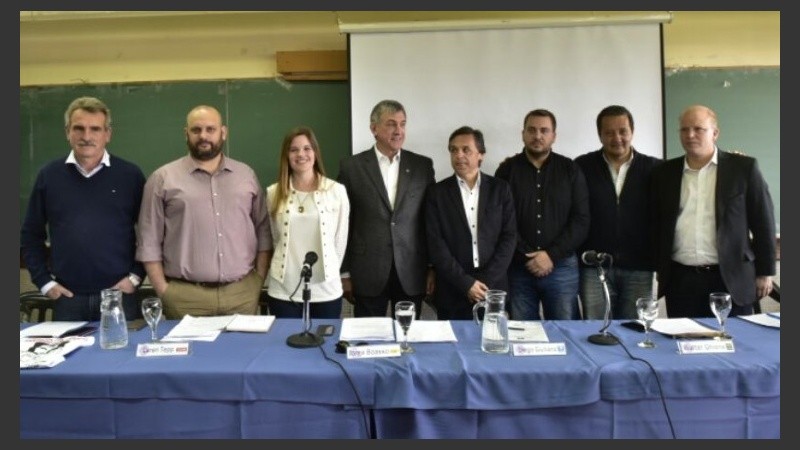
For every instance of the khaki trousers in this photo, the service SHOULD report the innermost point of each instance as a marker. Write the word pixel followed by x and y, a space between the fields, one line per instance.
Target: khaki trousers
pixel 239 297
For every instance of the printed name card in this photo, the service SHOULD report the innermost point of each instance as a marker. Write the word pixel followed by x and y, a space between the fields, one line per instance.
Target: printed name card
pixel 373 351
pixel 689 347
pixel 163 349
pixel 539 349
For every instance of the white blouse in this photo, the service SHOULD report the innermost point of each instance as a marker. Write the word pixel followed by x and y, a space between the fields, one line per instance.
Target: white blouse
pixel 321 227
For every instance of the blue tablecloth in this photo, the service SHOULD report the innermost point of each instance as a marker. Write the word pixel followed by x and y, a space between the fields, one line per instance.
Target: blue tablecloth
pixel 721 395
pixel 253 386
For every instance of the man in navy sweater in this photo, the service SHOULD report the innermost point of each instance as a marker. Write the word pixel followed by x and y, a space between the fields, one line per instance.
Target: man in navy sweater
pixel 618 178
pixel 89 204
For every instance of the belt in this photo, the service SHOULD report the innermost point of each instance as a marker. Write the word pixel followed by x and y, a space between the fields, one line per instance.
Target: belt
pixel 698 269
pixel 205 284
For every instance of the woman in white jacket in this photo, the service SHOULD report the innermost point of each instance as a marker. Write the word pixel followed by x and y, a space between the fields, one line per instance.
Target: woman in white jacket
pixel 308 213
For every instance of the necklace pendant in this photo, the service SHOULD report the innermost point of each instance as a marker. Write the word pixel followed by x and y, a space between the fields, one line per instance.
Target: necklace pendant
pixel 300 209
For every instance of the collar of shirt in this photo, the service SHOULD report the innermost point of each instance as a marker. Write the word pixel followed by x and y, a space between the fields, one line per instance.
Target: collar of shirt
pixel 618 178
pixel 462 183
pixel 384 158
pixel 626 163
pixel 713 161
pixel 192 165
pixel 105 160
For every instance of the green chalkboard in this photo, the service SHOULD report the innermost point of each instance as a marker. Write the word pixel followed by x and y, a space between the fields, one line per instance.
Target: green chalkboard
pixel 748 106
pixel 148 121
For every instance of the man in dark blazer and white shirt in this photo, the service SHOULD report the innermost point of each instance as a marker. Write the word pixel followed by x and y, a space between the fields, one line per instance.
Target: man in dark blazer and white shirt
pixel 386 258
pixel 471 228
pixel 714 220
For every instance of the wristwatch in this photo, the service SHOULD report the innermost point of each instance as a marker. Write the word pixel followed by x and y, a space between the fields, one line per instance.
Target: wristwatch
pixel 135 281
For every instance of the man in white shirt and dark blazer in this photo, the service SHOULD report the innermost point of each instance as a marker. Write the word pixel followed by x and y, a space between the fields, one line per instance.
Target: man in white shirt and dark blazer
pixel 471 227
pixel 714 223
pixel 386 258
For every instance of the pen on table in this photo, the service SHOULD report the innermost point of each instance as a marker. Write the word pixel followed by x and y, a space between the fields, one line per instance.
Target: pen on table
pixel 516 328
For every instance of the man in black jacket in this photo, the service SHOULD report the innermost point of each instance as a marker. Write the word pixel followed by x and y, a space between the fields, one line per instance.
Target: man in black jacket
pixel 471 228
pixel 618 178
pixel 714 221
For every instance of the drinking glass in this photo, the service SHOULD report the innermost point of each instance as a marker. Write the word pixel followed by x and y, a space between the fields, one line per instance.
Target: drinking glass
pixel 720 303
pixel 404 313
pixel 151 310
pixel 647 310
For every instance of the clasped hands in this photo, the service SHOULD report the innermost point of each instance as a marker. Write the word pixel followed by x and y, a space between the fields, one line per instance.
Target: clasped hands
pixel 539 263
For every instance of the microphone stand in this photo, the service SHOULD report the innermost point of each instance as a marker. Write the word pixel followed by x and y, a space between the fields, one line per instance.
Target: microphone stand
pixel 305 339
pixel 603 337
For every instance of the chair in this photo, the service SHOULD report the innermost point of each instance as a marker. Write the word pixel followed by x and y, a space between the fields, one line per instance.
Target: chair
pixel 35 307
pixel 263 302
pixel 776 292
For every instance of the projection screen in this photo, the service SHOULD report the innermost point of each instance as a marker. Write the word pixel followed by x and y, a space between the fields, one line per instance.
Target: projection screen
pixel 489 79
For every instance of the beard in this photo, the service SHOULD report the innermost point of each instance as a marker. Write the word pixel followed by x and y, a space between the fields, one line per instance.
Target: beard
pixel 205 155
pixel 537 153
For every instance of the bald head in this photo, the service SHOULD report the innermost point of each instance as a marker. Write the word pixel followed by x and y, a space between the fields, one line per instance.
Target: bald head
pixel 205 134
pixel 700 110
pixel 699 132
pixel 204 111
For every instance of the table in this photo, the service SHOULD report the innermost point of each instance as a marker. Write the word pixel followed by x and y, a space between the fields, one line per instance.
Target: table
pixel 733 395
pixel 243 385
pixel 254 386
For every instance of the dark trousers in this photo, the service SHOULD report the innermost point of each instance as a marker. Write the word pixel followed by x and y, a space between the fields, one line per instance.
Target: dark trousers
pixel 392 293
pixel 294 309
pixel 687 291
pixel 87 307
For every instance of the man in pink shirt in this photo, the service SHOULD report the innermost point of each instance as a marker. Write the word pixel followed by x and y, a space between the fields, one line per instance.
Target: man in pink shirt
pixel 203 233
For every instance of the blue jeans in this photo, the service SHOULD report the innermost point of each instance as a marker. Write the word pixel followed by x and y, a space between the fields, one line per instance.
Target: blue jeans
pixel 624 287
pixel 557 292
pixel 87 307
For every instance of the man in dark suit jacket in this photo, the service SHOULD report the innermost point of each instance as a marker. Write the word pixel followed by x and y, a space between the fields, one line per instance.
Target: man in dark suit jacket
pixel 386 258
pixel 714 221
pixel 471 228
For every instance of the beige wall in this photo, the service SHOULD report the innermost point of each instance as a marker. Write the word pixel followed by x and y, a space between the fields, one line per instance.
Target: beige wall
pixel 104 47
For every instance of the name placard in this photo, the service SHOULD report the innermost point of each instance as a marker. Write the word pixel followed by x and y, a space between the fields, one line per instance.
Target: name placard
pixel 539 349
pixel 163 349
pixel 689 347
pixel 373 351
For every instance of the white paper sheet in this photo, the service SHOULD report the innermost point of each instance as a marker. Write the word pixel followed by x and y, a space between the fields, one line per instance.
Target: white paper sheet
pixel 428 331
pixel 51 329
pixel 683 327
pixel 192 328
pixel 250 323
pixel 526 331
pixel 767 320
pixel 367 329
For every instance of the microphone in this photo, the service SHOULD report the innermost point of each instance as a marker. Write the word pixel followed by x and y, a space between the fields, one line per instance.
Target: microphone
pixel 311 258
pixel 594 258
pixel 306 338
